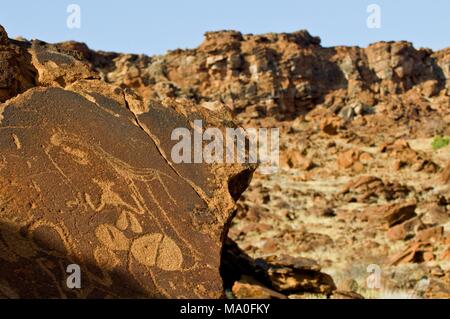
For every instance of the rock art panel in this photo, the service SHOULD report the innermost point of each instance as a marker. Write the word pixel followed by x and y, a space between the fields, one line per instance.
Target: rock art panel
pixel 81 185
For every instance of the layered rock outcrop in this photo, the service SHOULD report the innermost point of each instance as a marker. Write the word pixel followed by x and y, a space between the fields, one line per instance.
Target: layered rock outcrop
pixel 284 75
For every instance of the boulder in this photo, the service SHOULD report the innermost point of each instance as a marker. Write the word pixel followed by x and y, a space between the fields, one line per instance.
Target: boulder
pixel 282 274
pixel 87 184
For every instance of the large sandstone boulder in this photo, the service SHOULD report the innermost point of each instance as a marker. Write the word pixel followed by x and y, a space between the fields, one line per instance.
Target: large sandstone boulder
pixel 86 178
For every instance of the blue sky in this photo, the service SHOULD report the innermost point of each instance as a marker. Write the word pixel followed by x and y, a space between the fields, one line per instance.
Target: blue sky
pixel 152 27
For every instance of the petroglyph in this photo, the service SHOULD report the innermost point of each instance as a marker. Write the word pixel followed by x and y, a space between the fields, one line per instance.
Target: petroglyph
pixel 159 250
pixel 106 258
pixel 169 255
pixel 112 238
pixel 127 219
pixel 126 171
pixel 17 141
pixel 81 183
pixel 145 249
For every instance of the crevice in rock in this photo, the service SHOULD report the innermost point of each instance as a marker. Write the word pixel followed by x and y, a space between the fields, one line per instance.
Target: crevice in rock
pixel 199 192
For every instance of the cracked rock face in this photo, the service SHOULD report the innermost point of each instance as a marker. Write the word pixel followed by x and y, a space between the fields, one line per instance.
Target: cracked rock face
pixel 284 75
pixel 86 178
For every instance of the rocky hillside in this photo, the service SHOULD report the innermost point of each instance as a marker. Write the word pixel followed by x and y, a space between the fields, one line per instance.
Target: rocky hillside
pixel 285 75
pixel 363 179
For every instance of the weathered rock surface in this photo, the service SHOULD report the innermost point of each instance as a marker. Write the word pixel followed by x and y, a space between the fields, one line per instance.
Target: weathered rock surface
pixel 285 75
pixel 16 72
pixel 359 182
pixel 272 277
pixel 249 288
pixel 86 178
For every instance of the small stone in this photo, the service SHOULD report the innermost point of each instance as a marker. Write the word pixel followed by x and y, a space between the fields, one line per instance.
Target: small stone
pixel 446 254
pixel 347 158
pixel 398 213
pixel 365 157
pixel 432 233
pixel 437 271
pixel 403 230
pixel 445 175
pixel 249 288
pixel 428 256
pixel 347 113
pixel 435 215
pixel 269 247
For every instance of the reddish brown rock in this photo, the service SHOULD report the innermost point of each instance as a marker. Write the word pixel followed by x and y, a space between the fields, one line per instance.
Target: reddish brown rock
pixel 365 157
pixel 435 215
pixel 417 252
pixel 347 159
pixel 430 234
pixel 404 230
pixel 3 36
pixel 398 213
pixel 288 274
pixel 249 288
pixel 446 254
pixel 325 101
pixel 363 188
pixel 17 74
pixel 294 159
pixel 405 156
pixel 284 274
pixel 56 68
pixel 120 211
pixel 248 73
pixel 87 179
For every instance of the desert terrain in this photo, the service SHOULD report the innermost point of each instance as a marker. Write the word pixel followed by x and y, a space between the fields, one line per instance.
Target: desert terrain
pixel 358 208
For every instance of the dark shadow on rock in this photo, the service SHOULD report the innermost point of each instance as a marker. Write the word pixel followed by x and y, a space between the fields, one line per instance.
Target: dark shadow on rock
pixel 36 269
pixel 283 274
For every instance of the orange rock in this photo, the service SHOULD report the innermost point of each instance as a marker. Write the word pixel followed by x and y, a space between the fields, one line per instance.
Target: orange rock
pixel 446 254
pixel 294 159
pixel 401 231
pixel 365 157
pixel 397 232
pixel 428 256
pixel 249 288
pixel 400 144
pixel 428 234
pixel 358 167
pixel 347 159
pixel 339 294
pixel 269 247
pixel 417 252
